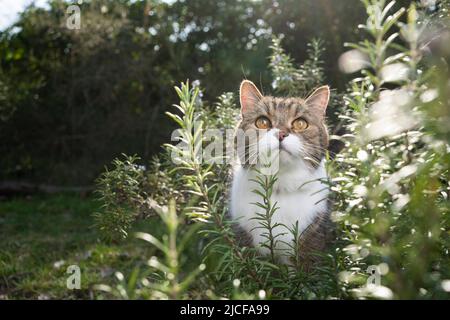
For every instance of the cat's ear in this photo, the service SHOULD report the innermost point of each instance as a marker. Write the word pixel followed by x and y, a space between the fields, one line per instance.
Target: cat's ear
pixel 319 99
pixel 249 95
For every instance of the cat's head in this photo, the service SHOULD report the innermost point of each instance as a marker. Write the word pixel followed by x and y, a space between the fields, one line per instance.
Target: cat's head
pixel 293 127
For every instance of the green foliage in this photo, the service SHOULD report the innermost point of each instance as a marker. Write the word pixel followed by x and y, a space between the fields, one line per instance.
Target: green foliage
pixel 292 81
pixel 224 114
pixel 44 234
pixel 123 195
pixel 391 179
pixel 390 182
pixel 126 189
pixel 6 108
pixel 166 279
pixel 266 182
pixel 75 99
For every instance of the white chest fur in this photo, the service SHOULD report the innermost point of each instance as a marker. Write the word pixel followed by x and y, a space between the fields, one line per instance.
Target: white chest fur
pixel 300 193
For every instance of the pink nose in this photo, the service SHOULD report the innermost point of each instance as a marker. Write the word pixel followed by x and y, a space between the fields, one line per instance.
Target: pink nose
pixel 282 135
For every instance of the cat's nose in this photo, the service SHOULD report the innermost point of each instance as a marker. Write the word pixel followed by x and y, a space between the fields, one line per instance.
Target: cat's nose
pixel 282 135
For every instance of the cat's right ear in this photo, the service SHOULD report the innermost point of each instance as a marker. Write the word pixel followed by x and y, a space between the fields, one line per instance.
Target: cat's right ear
pixel 249 96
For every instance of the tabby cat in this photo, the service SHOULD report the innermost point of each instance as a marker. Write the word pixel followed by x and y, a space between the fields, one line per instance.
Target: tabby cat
pixel 294 129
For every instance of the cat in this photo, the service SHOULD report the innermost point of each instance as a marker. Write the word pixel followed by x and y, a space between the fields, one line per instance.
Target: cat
pixel 294 129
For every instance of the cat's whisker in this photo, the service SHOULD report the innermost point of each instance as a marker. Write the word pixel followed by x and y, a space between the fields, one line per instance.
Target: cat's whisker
pixel 252 157
pixel 311 159
pixel 249 158
pixel 320 148
pixel 314 146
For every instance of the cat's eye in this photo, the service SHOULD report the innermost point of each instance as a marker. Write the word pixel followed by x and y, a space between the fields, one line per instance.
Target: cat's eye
pixel 263 123
pixel 299 124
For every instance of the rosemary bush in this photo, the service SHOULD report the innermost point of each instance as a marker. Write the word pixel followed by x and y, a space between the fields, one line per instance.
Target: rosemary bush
pixel 390 182
pixel 391 179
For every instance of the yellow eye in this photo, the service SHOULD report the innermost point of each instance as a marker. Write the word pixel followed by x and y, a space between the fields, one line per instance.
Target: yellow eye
pixel 299 124
pixel 263 123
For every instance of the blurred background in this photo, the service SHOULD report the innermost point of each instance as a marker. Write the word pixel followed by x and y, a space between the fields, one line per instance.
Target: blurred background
pixel 72 100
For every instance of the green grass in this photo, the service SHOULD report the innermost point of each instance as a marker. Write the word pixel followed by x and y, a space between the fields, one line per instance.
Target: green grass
pixel 42 235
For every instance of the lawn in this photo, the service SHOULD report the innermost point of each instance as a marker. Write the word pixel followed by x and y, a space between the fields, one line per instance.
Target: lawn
pixel 42 235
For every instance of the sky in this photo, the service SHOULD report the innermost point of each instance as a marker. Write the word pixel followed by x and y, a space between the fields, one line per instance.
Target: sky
pixel 10 9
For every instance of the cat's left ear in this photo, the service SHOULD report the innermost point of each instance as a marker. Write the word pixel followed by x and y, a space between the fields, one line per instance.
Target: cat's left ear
pixel 319 99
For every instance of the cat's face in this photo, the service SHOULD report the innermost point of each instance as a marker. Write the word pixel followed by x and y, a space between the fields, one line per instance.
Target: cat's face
pixel 292 127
